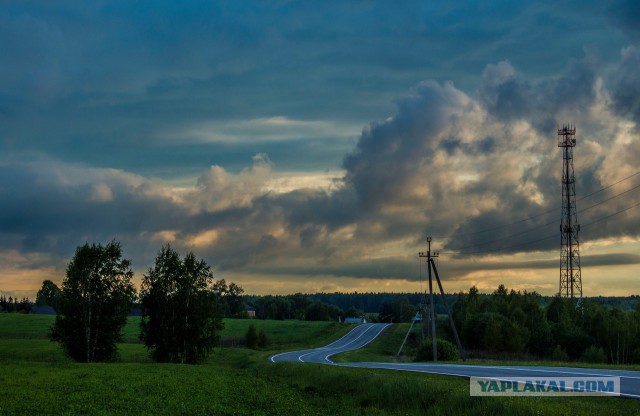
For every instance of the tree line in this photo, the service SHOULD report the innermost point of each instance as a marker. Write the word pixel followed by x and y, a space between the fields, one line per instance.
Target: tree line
pixel 11 304
pixel 514 322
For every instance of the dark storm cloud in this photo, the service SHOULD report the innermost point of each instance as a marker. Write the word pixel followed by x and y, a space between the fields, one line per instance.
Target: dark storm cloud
pixel 50 207
pixel 486 145
pixel 506 95
pixel 625 85
pixel 389 154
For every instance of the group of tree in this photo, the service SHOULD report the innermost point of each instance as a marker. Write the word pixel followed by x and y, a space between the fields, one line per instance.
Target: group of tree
pixel 510 322
pixel 294 306
pixel 181 317
pixel 397 310
pixel 182 305
pixel 46 296
pixel 299 306
pixel 11 304
pixel 255 339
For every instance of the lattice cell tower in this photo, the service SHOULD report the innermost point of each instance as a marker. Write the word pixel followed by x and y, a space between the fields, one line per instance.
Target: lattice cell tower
pixel 570 276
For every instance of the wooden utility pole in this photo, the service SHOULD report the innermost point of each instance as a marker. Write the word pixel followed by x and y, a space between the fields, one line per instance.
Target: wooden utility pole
pixel 432 265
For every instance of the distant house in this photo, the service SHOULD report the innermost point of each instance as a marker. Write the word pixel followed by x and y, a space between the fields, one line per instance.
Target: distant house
pixel 355 321
pixel 250 311
pixel 42 310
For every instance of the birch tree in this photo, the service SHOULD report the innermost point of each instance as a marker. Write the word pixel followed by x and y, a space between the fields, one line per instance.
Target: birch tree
pixel 180 321
pixel 94 302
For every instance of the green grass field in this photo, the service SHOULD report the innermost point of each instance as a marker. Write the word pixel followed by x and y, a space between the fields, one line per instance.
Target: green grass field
pixel 36 378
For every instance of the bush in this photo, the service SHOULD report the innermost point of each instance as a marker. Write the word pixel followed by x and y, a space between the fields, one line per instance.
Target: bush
pixel 262 339
pixel 251 338
pixel 445 349
pixel 593 355
pixel 559 354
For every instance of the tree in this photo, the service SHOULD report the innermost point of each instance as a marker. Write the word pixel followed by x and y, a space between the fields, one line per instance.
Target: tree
pixel 400 310
pixel 353 312
pixel 234 299
pixel 251 337
pixel 180 320
pixel 94 303
pixel 320 311
pixel 262 339
pixel 48 295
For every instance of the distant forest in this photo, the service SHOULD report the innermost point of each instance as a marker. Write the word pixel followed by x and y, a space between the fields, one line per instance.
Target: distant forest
pixel 505 323
pixel 371 302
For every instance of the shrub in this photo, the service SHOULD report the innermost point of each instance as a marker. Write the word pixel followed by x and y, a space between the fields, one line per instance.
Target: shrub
pixel 559 354
pixel 445 349
pixel 251 338
pixel 262 339
pixel 593 355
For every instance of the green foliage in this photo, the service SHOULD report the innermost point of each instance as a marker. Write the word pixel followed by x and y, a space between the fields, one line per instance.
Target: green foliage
pixel 399 310
pixel 516 323
pixel 179 322
pixel 559 354
pixel 446 351
pixel 282 307
pixel 263 341
pixel 353 312
pixel 94 302
pixel 251 338
pixel 593 355
pixel 48 295
pixel 320 311
pixel 229 299
pixel 491 331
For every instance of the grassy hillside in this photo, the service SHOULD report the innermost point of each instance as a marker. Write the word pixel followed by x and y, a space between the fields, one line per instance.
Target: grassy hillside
pixel 36 378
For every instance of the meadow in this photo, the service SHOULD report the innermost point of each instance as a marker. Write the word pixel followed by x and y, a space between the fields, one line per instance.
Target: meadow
pixel 36 378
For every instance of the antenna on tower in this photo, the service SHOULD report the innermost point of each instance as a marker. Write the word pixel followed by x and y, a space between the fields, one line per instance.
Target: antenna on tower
pixel 570 274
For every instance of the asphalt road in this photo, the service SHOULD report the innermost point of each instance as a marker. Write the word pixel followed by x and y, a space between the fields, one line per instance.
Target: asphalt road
pixel 629 380
pixel 358 337
pixel 361 335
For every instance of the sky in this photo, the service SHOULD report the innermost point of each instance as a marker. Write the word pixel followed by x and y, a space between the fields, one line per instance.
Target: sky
pixel 304 146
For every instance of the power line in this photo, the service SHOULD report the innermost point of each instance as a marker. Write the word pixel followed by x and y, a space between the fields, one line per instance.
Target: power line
pixel 609 186
pixel 556 208
pixel 613 197
pixel 537 240
pixel 509 236
pixel 548 223
pixel 502 248
pixel 611 215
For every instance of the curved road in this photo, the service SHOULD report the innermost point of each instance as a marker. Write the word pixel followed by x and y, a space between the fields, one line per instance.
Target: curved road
pixel 361 335
pixel 358 337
